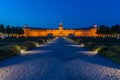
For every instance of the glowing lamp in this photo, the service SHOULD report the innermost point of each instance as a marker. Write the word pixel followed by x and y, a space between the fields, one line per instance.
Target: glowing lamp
pixel 22 51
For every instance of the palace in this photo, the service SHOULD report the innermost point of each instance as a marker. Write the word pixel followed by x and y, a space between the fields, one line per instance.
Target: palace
pixel 82 32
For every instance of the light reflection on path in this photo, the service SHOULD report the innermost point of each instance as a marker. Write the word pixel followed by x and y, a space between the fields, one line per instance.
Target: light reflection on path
pixel 59 60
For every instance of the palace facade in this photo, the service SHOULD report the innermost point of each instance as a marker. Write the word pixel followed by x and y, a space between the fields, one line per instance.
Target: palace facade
pixel 82 32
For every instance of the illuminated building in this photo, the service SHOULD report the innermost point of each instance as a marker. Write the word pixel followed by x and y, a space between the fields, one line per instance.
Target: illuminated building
pixel 82 32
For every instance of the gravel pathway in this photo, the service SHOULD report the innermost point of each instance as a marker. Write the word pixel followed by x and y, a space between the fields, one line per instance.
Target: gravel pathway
pixel 59 60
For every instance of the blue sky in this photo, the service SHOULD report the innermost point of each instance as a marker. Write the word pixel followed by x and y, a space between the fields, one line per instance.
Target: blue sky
pixel 48 13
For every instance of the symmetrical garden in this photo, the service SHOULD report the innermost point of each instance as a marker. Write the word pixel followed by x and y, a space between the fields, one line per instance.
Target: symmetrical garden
pixel 107 47
pixel 10 47
pixel 106 44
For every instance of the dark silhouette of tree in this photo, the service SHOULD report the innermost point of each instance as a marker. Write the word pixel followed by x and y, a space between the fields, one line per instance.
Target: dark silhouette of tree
pixel 115 30
pixel 110 32
pixel 106 31
pixel 2 28
pixel 102 30
pixel 21 31
pixel 18 31
pixel 8 29
pixel 12 30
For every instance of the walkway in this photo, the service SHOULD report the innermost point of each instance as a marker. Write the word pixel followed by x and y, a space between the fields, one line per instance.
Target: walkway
pixel 59 60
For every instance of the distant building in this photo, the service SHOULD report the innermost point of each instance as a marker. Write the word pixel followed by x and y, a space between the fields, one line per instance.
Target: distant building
pixel 80 32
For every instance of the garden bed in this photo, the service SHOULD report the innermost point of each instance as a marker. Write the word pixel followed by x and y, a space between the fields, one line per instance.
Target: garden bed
pixel 13 49
pixel 108 47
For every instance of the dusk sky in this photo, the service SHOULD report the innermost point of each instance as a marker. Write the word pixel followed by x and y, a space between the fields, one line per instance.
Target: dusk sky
pixel 48 13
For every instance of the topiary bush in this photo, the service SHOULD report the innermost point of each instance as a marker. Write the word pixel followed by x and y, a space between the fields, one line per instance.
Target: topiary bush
pixel 97 47
pixel 112 52
pixel 13 50
pixel 40 41
pixel 9 51
pixel 28 45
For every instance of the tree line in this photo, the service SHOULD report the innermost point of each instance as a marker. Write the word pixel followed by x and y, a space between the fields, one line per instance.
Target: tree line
pixel 109 31
pixel 11 30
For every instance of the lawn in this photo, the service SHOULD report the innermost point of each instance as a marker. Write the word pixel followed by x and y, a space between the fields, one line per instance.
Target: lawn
pixel 2 45
pixel 107 47
pixel 10 47
pixel 22 39
pixel 96 40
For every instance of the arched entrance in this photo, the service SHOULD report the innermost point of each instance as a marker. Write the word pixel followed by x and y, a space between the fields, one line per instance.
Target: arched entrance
pixel 50 35
pixel 71 35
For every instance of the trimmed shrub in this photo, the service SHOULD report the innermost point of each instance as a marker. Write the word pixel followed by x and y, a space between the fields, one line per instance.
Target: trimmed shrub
pixel 28 45
pixel 112 52
pixel 78 40
pixel 12 50
pixel 98 47
pixel 9 51
pixel 90 46
pixel 40 41
pixel 105 49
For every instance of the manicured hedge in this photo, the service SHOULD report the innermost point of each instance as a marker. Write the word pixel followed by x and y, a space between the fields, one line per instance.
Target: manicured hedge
pixel 28 45
pixel 97 40
pixel 95 47
pixel 13 50
pixel 9 51
pixel 112 52
pixel 11 40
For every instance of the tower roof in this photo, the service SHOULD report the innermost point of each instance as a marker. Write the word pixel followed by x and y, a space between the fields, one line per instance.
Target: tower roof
pixel 60 22
pixel 95 26
pixel 60 26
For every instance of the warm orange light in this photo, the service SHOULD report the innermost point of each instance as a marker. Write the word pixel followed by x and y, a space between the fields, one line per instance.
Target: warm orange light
pixel 60 32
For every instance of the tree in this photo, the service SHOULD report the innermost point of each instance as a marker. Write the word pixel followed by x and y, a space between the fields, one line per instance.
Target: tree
pixel 21 31
pixel 115 30
pixel 103 30
pixel 107 31
pixel 8 29
pixel 2 28
pixel 18 31
pixel 12 30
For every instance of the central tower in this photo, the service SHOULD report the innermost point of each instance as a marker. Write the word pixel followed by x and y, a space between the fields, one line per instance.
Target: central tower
pixel 61 26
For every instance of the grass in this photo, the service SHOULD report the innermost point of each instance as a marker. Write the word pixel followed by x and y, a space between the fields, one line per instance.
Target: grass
pixel 112 52
pixel 2 45
pixel 107 47
pixel 9 40
pixel 22 39
pixel 10 47
pixel 28 45
pixel 95 40
pixel 9 51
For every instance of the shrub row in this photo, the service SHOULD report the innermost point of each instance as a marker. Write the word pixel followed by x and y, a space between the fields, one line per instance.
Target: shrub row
pixel 95 40
pixel 22 39
pixel 28 45
pixel 106 50
pixel 94 47
pixel 9 51
pixel 112 52
pixel 13 50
